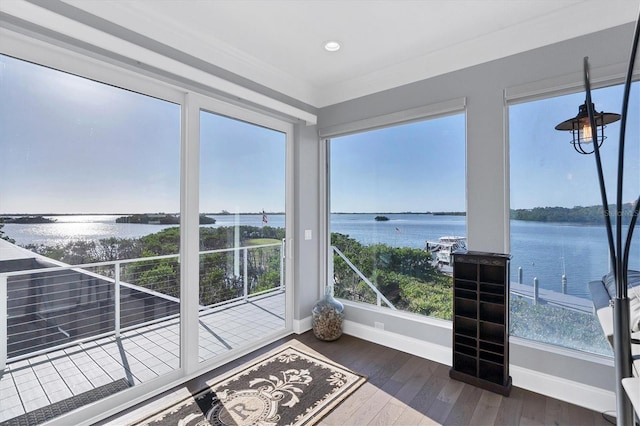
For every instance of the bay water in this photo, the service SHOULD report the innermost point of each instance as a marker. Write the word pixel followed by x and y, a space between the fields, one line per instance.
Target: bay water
pixel 545 251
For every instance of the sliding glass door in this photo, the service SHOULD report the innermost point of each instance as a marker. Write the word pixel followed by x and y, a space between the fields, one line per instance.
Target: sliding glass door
pixel 242 232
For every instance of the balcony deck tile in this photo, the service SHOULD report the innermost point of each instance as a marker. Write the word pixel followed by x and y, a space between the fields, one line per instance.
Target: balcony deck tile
pixel 43 368
pixel 11 407
pixel 19 364
pixel 56 391
pixel 6 382
pixel 26 381
pixel 35 400
pixel 80 387
pixel 52 376
pixel 93 373
pixel 100 380
pixel 24 375
pixel 38 359
pixel 64 364
pixel 8 391
pixel 161 369
pixel 77 380
pixel 11 401
pixel 139 355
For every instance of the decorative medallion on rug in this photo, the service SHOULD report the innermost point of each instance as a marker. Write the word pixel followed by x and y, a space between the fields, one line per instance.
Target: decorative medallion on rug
pixel 290 387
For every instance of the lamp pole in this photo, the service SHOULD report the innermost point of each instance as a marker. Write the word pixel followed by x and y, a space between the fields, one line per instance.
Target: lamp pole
pixel 584 128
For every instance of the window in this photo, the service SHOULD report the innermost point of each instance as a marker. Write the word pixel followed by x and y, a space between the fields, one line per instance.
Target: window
pixel 90 174
pixel 558 239
pixel 242 215
pixel 397 211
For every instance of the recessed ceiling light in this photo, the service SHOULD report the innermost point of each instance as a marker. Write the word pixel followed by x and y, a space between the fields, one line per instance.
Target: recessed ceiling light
pixel 331 46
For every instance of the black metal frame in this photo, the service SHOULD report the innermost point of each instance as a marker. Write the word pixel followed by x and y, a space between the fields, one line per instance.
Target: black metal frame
pixel 618 252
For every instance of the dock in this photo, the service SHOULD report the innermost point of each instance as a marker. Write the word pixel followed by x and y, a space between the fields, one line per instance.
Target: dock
pixel 554 298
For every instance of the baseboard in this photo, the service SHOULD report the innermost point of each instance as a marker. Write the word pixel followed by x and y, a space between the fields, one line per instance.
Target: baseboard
pixel 590 397
pixel 421 348
pixel 301 326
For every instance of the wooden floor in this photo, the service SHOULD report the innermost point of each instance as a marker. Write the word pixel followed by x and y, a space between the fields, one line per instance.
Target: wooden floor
pixel 403 389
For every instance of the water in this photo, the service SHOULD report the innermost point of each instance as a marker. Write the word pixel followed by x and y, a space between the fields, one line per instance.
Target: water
pixel 543 250
pixel 96 227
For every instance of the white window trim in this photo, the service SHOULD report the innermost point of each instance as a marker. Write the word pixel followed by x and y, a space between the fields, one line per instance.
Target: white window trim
pixel 423 113
pixel 195 104
pixel 566 84
pixel 396 118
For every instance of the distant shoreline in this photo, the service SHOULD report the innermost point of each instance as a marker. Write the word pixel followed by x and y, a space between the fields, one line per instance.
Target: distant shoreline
pixel 413 213
pixel 129 214
pixel 226 214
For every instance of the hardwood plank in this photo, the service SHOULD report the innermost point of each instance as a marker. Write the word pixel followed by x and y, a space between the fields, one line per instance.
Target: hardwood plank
pixel 419 370
pixel 374 405
pixel 423 400
pixel 579 415
pixel 487 409
pixel 533 409
pixel 510 409
pixel 369 410
pixel 553 411
pixel 348 407
pixel 446 399
pixel 463 409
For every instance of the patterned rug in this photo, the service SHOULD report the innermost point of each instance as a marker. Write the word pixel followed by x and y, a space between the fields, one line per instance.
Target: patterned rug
pixel 290 387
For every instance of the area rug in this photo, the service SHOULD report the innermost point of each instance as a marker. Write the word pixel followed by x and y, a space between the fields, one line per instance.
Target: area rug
pixel 289 387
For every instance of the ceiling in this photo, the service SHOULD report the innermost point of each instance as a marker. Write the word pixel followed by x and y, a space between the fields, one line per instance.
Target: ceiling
pixel 385 43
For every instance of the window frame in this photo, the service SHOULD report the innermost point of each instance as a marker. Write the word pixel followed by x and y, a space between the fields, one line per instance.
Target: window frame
pixel 568 84
pixel 422 113
pixel 86 64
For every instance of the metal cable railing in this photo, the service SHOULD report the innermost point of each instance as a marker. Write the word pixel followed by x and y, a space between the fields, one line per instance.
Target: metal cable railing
pixel 379 296
pixel 50 308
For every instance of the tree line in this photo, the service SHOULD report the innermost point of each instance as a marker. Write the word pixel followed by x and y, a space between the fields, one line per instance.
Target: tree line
pixel 592 215
pixel 218 280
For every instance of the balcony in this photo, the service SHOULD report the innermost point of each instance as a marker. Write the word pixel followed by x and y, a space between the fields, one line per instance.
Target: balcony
pixel 74 331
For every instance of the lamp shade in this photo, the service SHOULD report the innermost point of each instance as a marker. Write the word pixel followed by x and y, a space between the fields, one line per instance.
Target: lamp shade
pixel 580 127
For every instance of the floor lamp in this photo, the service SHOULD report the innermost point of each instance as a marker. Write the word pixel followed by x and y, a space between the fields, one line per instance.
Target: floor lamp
pixel 584 129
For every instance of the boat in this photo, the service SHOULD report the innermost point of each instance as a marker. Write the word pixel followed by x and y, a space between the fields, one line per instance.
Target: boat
pixel 444 247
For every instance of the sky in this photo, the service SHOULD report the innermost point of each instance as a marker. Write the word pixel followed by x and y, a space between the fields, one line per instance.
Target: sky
pixel 547 171
pixel 71 145
pixel 417 167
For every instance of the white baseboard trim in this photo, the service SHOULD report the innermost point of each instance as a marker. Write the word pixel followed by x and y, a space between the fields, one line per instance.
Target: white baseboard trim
pixel 407 344
pixel 302 325
pixel 590 397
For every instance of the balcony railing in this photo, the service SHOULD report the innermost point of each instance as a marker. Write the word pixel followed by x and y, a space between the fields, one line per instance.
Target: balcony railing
pixel 379 296
pixel 52 307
